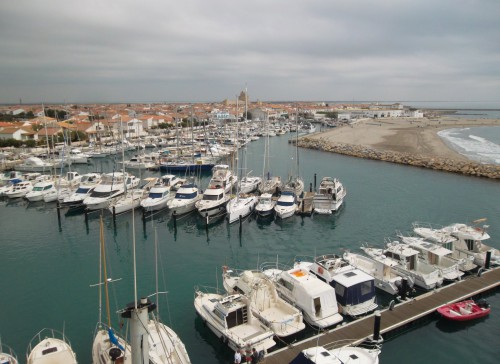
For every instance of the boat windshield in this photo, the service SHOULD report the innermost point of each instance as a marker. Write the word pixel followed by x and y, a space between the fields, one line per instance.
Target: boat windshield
pixel 101 194
pixel 37 188
pixel 285 203
pixel 155 195
pixel 212 197
pixel 185 196
pixel 82 190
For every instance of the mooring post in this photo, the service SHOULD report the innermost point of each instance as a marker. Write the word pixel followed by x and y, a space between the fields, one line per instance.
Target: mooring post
pixel 376 326
pixel 314 181
pixel 404 287
pixel 310 187
pixel 241 220
pixel 487 260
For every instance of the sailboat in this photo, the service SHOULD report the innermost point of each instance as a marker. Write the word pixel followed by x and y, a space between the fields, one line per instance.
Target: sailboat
pixel 7 355
pixel 270 184
pixel 50 346
pixel 107 347
pixel 295 183
pixel 241 205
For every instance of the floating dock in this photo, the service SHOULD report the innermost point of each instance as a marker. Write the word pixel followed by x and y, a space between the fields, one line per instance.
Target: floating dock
pixel 402 314
pixel 306 204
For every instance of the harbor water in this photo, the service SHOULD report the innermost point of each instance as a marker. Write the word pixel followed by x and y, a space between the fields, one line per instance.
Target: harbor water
pixel 47 266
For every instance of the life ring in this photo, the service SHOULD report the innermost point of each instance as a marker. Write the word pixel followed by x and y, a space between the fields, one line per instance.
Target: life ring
pixel 320 270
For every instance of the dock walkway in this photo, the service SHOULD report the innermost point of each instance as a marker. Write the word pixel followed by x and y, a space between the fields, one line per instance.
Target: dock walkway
pixel 402 314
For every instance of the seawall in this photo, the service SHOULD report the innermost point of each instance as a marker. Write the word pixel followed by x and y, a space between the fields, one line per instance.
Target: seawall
pixel 443 164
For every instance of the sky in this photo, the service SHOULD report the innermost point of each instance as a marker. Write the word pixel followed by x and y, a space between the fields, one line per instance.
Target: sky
pixel 210 50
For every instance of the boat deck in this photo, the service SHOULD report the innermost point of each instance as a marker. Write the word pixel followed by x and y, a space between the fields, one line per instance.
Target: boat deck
pixel 402 314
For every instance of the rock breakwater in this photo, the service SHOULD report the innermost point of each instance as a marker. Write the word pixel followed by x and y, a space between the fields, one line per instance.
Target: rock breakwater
pixel 443 164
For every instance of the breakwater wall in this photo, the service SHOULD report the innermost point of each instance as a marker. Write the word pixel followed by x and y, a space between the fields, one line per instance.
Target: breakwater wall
pixel 443 164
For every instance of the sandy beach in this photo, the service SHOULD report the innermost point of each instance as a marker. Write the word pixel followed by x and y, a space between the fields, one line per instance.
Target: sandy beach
pixel 403 135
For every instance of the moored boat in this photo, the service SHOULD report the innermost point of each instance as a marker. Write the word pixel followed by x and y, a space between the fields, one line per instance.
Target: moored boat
pixel 465 310
pixel 50 346
pixel 330 196
pixel 341 355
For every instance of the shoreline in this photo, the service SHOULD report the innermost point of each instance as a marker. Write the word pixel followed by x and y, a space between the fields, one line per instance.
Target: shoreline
pixel 405 141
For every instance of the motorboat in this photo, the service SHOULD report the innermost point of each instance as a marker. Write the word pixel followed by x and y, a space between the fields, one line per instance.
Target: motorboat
pixel 304 290
pixel 50 346
pixel 465 310
pixel 112 186
pixel 87 184
pixel 7 355
pixel 9 185
pixel 40 189
pixel 35 164
pixel 386 279
pixel 160 193
pixel 9 175
pixel 265 206
pixel 273 311
pixel 436 255
pixel 464 240
pixel 354 288
pixel 217 194
pixel 20 189
pixel 142 161
pixel 76 156
pixel 341 355
pixel 286 205
pixel 330 196
pixel 407 264
pixel 185 199
pixel 240 206
pixel 231 319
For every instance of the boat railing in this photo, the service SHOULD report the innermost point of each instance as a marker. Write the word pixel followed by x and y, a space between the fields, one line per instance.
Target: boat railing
pixel 7 350
pixel 274 265
pixel 209 289
pixel 428 225
pixel 43 334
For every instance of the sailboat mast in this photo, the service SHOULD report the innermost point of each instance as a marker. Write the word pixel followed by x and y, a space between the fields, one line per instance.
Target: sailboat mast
pixel 106 292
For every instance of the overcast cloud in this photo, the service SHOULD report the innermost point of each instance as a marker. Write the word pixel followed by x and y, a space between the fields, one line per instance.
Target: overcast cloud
pixel 209 50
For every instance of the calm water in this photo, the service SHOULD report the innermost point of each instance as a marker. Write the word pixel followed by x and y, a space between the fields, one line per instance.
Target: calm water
pixel 47 268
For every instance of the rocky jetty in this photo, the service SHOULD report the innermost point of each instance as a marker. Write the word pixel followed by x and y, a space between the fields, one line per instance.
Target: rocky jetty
pixel 443 164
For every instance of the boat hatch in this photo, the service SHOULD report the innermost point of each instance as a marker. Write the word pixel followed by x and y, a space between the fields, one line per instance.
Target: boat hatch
pixel 236 318
pixel 298 273
pixel 49 350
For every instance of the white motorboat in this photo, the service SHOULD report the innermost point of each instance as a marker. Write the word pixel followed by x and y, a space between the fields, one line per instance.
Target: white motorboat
pixel 230 318
pixel 341 355
pixel 216 195
pixel 330 196
pixel 9 186
pixel 273 311
pixel 50 346
pixel 40 189
pixel 185 199
pixel 87 184
pixel 160 193
pixel 286 205
pixel 436 255
pixel 265 206
pixel 354 288
pixel 240 206
pixel 112 186
pixel 464 240
pixel 35 164
pixel 76 156
pixel 386 279
pixel 142 161
pixel 20 189
pixel 7 355
pixel 408 264
pixel 9 175
pixel 314 297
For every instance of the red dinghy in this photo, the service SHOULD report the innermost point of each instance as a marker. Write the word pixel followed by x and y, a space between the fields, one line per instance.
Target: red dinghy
pixel 465 310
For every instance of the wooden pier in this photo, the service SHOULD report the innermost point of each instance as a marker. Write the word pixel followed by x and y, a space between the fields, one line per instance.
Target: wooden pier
pixel 402 314
pixel 306 204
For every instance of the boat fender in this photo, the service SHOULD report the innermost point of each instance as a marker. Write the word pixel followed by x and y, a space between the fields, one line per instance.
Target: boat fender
pixel 480 272
pixel 391 305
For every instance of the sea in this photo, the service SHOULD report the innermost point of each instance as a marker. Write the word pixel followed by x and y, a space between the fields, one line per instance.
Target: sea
pixel 49 260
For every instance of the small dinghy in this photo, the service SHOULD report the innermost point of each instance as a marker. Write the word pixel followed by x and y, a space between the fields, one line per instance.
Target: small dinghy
pixel 465 310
